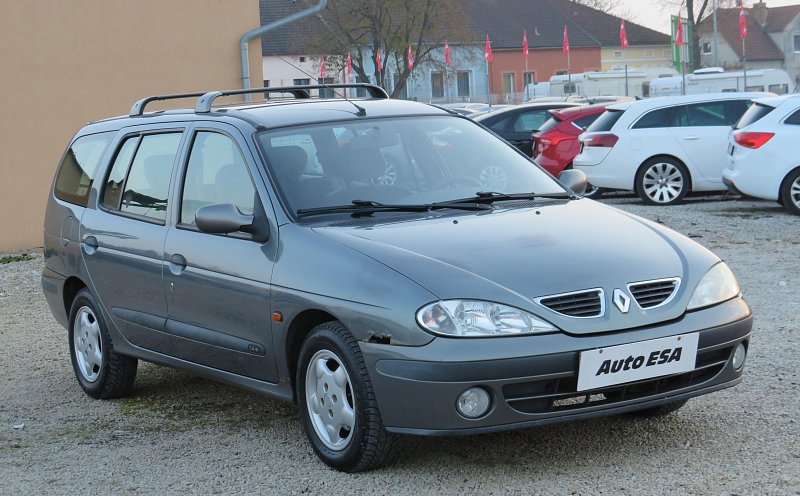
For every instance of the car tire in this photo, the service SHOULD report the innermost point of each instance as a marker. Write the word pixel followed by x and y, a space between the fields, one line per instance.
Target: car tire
pixel 101 373
pixel 661 410
pixel 593 192
pixel 662 181
pixel 790 192
pixel 334 391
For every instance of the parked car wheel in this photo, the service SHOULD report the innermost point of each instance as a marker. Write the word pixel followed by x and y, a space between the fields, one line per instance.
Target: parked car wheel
pixel 593 192
pixel 101 373
pixel 662 181
pixel 337 404
pixel 661 410
pixel 790 192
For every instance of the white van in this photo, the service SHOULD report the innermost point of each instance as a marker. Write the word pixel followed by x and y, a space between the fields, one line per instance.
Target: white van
pixel 716 80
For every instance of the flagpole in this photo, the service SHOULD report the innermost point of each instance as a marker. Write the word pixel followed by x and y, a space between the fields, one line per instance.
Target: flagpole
pixel 527 95
pixel 569 74
pixel 488 94
pixel 744 63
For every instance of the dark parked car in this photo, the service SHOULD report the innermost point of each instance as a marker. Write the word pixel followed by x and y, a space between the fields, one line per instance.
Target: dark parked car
pixel 263 245
pixel 516 123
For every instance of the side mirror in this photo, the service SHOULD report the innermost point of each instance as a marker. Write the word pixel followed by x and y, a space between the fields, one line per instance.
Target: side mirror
pixel 572 179
pixel 222 218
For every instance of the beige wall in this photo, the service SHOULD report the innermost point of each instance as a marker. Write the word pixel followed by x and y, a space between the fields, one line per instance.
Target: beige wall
pixel 636 56
pixel 67 62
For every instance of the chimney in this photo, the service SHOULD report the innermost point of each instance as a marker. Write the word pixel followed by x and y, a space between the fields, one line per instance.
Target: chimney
pixel 759 13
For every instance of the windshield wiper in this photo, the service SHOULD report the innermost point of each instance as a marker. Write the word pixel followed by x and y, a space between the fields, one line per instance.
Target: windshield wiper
pixel 484 197
pixel 366 207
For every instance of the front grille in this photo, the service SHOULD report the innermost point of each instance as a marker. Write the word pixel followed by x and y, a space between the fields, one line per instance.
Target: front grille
pixel 583 304
pixel 560 394
pixel 651 294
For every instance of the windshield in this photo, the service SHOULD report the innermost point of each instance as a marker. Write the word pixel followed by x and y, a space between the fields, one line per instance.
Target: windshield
pixel 392 161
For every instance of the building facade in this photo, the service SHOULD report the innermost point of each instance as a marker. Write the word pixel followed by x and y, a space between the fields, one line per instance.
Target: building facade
pixel 68 63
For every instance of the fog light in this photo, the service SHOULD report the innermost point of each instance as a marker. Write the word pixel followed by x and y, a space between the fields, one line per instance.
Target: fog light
pixel 739 356
pixel 473 403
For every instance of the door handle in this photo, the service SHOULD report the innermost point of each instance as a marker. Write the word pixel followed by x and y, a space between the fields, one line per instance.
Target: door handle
pixel 177 264
pixel 691 138
pixel 90 245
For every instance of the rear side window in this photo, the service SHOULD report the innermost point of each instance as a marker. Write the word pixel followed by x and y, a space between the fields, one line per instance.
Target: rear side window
pixel 655 119
pixel 74 179
pixel 587 121
pixel 141 172
pixel 549 124
pixel 606 121
pixel 723 113
pixel 756 112
pixel 528 121
pixel 793 119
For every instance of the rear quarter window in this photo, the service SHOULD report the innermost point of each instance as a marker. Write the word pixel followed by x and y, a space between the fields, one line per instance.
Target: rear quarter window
pixel 756 112
pixel 74 177
pixel 793 119
pixel 606 121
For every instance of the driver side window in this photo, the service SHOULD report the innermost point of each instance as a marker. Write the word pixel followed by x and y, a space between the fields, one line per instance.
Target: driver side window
pixel 216 173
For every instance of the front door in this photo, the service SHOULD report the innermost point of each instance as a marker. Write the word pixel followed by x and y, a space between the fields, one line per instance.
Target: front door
pixel 218 286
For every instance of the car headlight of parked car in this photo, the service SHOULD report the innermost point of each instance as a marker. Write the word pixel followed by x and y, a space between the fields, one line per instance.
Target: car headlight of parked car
pixel 719 284
pixel 474 318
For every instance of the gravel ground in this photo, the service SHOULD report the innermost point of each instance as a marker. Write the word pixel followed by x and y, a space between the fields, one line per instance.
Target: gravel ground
pixel 182 434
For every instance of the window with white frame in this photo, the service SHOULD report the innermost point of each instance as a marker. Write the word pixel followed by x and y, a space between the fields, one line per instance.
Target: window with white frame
pixel 462 81
pixel 617 54
pixel 437 85
pixel 796 39
pixel 705 47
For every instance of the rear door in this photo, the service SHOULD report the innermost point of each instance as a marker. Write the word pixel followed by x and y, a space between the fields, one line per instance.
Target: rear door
pixel 701 130
pixel 218 286
pixel 122 239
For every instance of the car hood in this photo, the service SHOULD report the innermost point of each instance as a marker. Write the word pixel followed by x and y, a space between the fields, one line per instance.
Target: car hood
pixel 516 255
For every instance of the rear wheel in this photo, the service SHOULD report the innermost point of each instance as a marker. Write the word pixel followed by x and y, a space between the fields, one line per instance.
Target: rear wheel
pixel 337 404
pixel 101 373
pixel 662 181
pixel 790 192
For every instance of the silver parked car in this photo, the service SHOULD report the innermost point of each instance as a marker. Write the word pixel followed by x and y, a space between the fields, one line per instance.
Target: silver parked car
pixel 347 256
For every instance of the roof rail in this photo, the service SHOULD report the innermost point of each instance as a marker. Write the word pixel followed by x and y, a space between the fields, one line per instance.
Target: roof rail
pixel 300 92
pixel 138 107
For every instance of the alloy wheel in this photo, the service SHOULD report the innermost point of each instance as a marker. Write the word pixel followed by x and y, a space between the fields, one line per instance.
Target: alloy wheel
pixel 330 400
pixel 663 182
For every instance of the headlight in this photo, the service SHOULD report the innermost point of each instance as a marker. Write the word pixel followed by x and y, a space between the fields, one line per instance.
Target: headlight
pixel 719 284
pixel 472 318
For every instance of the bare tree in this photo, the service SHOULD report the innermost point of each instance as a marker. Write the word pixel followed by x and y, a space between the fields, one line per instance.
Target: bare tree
pixel 363 27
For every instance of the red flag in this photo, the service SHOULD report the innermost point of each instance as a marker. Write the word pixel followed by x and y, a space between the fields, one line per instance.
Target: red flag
pixel 487 52
pixel 679 32
pixel 525 44
pixel 322 68
pixel 565 48
pixel 349 63
pixel 623 36
pixel 378 62
pixel 446 53
pixel 410 57
pixel 742 23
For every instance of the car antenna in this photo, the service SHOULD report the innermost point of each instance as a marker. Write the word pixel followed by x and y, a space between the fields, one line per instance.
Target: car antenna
pixel 361 110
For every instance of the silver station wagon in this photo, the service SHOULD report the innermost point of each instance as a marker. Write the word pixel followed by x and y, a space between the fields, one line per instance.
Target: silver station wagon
pixel 390 266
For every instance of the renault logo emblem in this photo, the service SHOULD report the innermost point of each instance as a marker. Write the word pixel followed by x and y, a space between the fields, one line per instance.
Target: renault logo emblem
pixel 621 300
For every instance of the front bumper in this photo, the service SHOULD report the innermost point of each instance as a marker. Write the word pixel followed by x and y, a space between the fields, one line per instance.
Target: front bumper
pixel 532 380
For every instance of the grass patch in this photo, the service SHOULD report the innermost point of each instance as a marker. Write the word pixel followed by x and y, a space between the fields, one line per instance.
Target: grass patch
pixel 7 259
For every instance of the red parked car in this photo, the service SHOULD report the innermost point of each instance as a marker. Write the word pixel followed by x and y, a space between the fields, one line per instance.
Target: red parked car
pixel 556 143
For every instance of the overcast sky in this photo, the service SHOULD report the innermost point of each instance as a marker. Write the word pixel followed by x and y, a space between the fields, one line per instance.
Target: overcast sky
pixel 651 13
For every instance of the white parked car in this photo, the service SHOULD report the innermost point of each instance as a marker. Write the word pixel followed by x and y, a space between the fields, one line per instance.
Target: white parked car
pixel 662 148
pixel 763 159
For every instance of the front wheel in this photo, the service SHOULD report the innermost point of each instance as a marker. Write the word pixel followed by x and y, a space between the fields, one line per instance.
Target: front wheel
pixel 337 404
pixel 662 181
pixel 790 192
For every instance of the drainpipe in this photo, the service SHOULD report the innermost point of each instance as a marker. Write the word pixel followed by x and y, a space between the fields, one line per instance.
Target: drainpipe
pixel 243 42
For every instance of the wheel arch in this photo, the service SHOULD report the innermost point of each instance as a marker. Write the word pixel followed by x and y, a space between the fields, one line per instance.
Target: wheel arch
pixel 298 330
pixel 71 288
pixel 662 156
